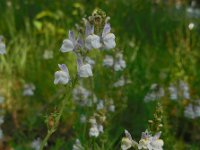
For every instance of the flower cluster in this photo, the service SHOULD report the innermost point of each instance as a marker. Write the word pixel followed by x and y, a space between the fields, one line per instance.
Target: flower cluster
pixel 118 63
pixel 2 46
pixel 81 45
pixel 147 141
pixel 192 111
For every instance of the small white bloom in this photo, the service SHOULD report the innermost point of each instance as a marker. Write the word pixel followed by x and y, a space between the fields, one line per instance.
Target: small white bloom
pixel 127 141
pixel 69 44
pixel 62 76
pixel 100 105
pixel 29 89
pixel 120 63
pixel 173 92
pixel 81 95
pixel 89 61
pixel 189 112
pixel 191 26
pixel 94 131
pixel 48 54
pixel 155 93
pixel 78 145
pixel 36 144
pixel 108 38
pixel 108 61
pixel 2 46
pixel 92 42
pixel 85 71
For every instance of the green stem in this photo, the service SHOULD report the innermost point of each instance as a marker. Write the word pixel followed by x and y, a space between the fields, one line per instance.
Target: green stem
pixel 57 119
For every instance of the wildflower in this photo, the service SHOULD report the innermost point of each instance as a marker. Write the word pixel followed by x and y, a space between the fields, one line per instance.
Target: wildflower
pixel 185 89
pixel 120 63
pixel 127 141
pixel 2 46
pixel 36 144
pixel 48 54
pixel 191 26
pixel 70 44
pixel 189 112
pixel 92 40
pixel 173 92
pixel 145 141
pixel 121 82
pixel 89 61
pixel 85 71
pixel 100 105
pixel 62 76
pixel 111 106
pixel 94 131
pixel 77 145
pixel 108 61
pixel 155 93
pixel 156 143
pixel 29 89
pixel 81 95
pixel 108 38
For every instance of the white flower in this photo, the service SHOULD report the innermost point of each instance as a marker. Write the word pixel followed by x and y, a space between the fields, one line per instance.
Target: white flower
pixel 155 93
pixel 89 61
pixel 191 26
pixel 156 143
pixel 85 71
pixel 2 46
pixel 70 44
pixel 108 61
pixel 120 63
pixel 189 112
pixel 81 95
pixel 36 144
pixel 2 99
pixel 92 42
pixel 48 54
pixel 29 89
pixel 144 144
pixel 185 89
pixel 62 76
pixel 108 38
pixel 100 105
pixel 127 141
pixel 78 145
pixel 94 131
pixel 173 92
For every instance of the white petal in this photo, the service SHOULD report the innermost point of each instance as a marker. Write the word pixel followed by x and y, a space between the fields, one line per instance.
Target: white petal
pixel 67 46
pixel 85 71
pixel 109 41
pixel 61 77
pixel 92 41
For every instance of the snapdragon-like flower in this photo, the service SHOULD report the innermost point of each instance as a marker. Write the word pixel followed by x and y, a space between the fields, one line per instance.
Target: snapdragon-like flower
pixel 145 141
pixel 92 40
pixel 62 76
pixel 120 63
pixel 77 145
pixel 156 142
pixel 84 70
pixel 71 44
pixel 108 38
pixel 81 96
pixel 29 89
pixel 2 46
pixel 108 61
pixel 155 93
pixel 127 141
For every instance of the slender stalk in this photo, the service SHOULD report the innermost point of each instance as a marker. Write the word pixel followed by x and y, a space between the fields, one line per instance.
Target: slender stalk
pixel 57 119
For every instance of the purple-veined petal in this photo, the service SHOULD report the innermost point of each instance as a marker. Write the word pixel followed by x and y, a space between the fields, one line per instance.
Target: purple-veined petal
pixel 106 29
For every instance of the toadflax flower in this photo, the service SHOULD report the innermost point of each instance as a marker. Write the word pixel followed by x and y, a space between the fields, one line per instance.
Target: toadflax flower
pixel 92 40
pixel 120 63
pixel 145 141
pixel 108 38
pixel 2 46
pixel 29 89
pixel 84 70
pixel 62 76
pixel 156 142
pixel 108 61
pixel 127 141
pixel 77 145
pixel 71 44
